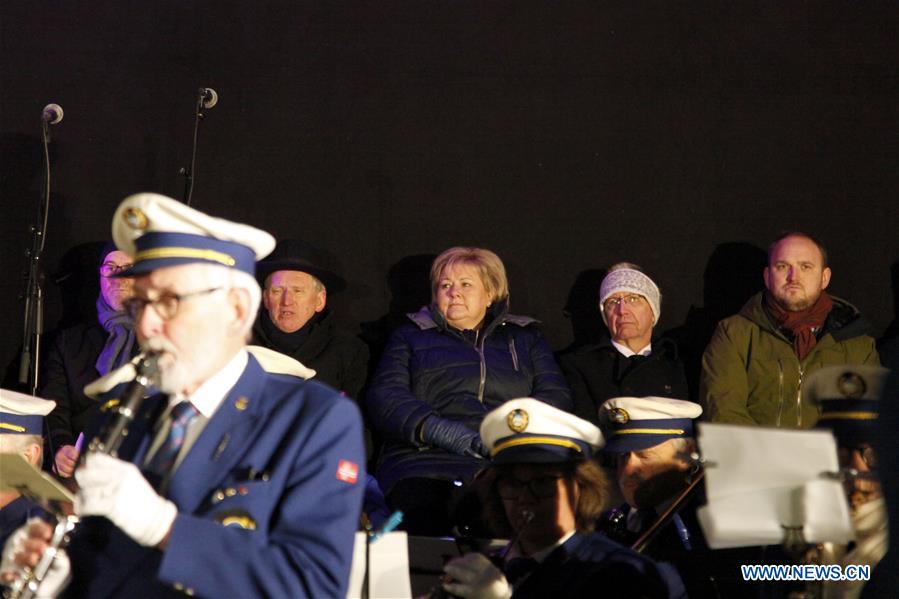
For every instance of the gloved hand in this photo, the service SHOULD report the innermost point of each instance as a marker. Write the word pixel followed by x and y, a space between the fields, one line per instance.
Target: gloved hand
pixel 25 547
pixel 66 458
pixel 474 577
pixel 116 489
pixel 452 436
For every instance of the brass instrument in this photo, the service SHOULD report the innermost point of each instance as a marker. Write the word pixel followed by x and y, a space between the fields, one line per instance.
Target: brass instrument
pixel 108 442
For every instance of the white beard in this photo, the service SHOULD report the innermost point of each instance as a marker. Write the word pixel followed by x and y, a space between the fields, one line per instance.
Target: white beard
pixel 174 372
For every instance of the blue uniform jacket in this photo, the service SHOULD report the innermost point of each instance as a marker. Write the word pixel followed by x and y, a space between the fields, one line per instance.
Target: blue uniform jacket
pixel 268 501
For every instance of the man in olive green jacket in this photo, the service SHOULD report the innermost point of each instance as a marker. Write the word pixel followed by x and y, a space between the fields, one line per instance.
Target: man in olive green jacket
pixel 754 366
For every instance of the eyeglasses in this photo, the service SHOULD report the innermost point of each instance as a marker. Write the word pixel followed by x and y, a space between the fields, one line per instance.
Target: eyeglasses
pixel 628 300
pixel 108 269
pixel 541 488
pixel 166 305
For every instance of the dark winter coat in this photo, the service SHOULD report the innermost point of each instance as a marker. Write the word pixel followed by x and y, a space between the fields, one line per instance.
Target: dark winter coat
pixel 70 365
pixel 599 372
pixel 338 358
pixel 431 369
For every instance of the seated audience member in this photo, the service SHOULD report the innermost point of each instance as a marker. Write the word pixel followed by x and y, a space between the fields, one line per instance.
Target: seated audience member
pixel 630 361
pixel 456 360
pixel 297 321
pixel 545 492
pixel 849 401
pixel 85 352
pixel 651 439
pixel 21 431
pixel 754 366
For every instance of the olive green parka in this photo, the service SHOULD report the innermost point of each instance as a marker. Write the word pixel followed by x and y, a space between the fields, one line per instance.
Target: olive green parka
pixel 751 375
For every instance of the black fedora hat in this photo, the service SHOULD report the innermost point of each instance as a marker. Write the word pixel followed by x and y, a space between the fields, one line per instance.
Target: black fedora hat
pixel 296 254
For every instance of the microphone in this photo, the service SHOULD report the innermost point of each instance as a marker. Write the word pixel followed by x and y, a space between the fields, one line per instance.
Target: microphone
pixel 52 113
pixel 208 97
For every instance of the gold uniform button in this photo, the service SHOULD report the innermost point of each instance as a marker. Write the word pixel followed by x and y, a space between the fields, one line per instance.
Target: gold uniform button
pixel 189 592
pixel 218 497
pixel 230 492
pixel 179 586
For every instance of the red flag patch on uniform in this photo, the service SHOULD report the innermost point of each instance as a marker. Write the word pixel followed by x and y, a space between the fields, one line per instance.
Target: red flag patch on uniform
pixel 348 472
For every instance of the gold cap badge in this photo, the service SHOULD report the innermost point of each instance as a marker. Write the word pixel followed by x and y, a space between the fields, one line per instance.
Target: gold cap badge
pixel 619 416
pixel 851 384
pixel 517 420
pixel 135 219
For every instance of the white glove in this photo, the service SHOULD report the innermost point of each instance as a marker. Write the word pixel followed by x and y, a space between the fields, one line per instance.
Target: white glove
pixel 56 578
pixel 116 489
pixel 474 577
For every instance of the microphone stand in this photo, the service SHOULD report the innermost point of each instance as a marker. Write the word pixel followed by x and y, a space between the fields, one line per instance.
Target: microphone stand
pixel 33 329
pixel 203 101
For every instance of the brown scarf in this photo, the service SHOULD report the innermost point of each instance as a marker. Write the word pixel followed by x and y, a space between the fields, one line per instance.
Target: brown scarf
pixel 801 323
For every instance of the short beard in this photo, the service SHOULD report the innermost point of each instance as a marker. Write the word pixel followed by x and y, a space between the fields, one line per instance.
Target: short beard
pixel 174 374
pixel 795 306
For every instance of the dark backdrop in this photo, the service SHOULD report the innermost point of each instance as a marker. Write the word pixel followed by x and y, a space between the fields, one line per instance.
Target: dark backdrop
pixel 565 136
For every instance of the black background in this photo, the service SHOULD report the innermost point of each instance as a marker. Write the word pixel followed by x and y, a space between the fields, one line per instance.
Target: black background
pixel 682 136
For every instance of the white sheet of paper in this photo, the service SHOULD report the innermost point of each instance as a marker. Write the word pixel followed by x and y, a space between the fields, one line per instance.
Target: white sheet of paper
pixel 357 570
pixel 389 563
pixel 761 479
pixel 752 458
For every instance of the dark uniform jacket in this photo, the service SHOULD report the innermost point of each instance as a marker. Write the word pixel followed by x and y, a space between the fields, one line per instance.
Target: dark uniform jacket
pixel 429 368
pixel 16 513
pixel 680 541
pixel 338 358
pixel 591 565
pixel 268 501
pixel 599 372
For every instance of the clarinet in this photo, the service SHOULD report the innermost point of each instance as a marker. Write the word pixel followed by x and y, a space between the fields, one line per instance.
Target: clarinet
pixel 498 560
pixel 108 442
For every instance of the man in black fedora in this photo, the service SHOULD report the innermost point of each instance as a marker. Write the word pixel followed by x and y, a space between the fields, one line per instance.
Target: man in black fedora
pixel 296 321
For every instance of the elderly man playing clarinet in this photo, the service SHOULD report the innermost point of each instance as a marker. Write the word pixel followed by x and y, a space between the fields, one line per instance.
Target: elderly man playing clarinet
pixel 232 482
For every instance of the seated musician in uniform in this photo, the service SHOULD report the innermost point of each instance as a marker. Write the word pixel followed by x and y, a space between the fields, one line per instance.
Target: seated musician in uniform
pixel 21 431
pixel 544 491
pixel 651 439
pixel 848 398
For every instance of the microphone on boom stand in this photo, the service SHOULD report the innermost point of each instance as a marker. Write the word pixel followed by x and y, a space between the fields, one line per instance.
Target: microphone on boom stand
pixel 207 98
pixel 29 363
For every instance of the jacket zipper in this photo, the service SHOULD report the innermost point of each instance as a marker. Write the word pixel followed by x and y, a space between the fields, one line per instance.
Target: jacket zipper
pixel 513 352
pixel 799 397
pixel 479 347
pixel 780 382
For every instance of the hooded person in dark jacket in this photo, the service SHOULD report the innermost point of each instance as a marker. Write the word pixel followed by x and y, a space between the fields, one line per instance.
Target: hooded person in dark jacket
pixel 297 322
pixel 630 361
pixel 459 358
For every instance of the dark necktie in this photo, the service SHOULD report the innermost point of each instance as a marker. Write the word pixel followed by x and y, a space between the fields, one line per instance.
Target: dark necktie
pixel 519 567
pixel 181 416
